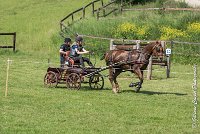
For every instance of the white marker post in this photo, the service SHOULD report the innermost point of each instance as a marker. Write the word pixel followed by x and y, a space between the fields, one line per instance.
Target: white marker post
pixel 168 53
pixel 6 92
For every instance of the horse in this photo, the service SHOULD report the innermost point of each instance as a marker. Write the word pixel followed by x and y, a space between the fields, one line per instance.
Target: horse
pixel 135 61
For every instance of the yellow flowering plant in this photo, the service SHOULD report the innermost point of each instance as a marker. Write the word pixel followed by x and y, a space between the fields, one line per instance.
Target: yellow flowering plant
pixel 193 30
pixel 168 33
pixel 131 31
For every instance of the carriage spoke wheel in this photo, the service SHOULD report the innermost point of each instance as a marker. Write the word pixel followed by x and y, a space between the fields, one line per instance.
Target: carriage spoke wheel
pixel 73 81
pixel 96 81
pixel 50 79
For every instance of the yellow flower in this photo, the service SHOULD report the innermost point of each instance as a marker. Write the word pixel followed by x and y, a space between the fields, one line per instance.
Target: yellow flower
pixel 168 33
pixel 130 30
pixel 194 27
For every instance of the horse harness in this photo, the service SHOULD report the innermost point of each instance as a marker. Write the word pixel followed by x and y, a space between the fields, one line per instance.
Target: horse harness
pixel 141 59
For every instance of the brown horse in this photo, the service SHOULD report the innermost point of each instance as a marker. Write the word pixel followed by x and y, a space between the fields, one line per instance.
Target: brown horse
pixel 135 61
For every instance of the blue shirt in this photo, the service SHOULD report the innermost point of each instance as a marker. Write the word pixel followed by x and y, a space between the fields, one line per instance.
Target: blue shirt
pixel 75 47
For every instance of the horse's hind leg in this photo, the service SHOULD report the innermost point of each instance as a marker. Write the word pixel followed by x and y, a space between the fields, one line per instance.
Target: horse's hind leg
pixel 116 73
pixel 112 79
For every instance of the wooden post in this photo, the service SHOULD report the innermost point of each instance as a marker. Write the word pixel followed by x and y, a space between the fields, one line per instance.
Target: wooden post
pixel 111 44
pixel 14 41
pixel 6 91
pixel 120 8
pixel 149 71
pixel 93 8
pixel 172 46
pixel 168 66
pixel 83 13
pixel 138 44
pixel 102 4
pixel 98 14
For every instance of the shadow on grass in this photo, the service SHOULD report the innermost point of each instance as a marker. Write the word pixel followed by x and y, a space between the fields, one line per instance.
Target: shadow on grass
pixel 160 93
pixel 83 88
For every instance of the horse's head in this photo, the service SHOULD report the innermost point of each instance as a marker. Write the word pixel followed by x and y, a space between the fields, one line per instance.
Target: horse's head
pixel 158 50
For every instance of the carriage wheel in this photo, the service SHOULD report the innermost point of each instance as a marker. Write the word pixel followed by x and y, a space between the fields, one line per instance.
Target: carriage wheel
pixel 73 81
pixel 96 81
pixel 50 79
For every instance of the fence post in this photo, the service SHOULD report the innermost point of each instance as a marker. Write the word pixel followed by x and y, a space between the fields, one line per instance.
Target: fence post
pixel 102 3
pixel 14 41
pixel 60 26
pixel 111 44
pixel 138 44
pixel 98 14
pixel 93 8
pixel 6 91
pixel 120 8
pixel 149 71
pixel 83 13
pixel 172 46
pixel 168 66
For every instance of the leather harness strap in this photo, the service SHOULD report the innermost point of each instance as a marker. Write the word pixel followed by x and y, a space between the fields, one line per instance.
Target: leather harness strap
pixel 129 57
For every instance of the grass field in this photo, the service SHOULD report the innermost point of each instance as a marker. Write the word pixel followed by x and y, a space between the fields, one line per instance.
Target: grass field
pixel 162 106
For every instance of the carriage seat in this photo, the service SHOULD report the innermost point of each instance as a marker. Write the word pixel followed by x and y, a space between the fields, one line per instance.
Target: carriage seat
pixel 75 70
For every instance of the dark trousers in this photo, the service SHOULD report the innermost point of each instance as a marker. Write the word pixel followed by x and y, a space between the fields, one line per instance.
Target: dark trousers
pixel 88 61
pixel 81 60
pixel 62 61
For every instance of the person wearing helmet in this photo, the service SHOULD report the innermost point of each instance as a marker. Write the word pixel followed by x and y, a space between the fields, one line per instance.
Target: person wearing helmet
pixel 77 50
pixel 64 51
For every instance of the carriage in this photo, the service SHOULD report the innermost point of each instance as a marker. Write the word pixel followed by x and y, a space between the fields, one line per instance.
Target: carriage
pixel 134 61
pixel 73 77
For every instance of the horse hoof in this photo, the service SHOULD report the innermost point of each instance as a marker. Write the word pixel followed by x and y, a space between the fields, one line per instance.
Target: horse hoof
pixel 137 90
pixel 132 84
pixel 115 91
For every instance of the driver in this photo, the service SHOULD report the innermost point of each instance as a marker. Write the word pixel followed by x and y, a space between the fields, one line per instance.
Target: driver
pixel 77 50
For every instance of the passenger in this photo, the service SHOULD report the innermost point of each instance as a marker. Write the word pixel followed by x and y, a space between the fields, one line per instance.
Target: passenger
pixel 77 50
pixel 65 52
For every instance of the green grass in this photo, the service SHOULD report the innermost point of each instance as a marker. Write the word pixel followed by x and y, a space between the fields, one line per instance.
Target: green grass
pixel 162 106
pixel 36 22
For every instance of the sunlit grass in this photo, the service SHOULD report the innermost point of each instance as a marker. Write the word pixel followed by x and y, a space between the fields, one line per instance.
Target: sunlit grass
pixel 163 105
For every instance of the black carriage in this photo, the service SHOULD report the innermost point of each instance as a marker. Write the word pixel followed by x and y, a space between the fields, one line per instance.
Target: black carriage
pixel 73 77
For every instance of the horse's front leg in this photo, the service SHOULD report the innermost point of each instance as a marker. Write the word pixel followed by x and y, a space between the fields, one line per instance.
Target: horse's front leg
pixel 116 73
pixel 139 73
pixel 112 79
